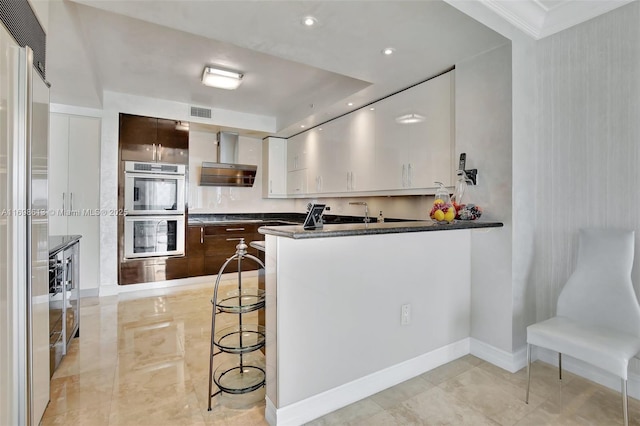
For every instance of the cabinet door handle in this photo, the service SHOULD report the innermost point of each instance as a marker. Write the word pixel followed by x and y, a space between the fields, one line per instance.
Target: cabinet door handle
pixel 71 202
pixel 159 152
pixel 154 152
pixel 409 175
pixel 63 204
pixel 270 186
pixel 202 235
pixel 353 182
pixel 234 229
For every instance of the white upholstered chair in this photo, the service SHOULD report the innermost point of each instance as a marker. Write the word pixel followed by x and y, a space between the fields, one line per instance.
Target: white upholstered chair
pixel 598 316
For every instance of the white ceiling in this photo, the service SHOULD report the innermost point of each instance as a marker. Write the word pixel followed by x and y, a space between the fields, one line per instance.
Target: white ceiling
pixel 297 74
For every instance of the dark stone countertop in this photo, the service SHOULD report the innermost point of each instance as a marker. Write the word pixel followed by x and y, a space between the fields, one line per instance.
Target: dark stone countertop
pixel 199 219
pixel 58 243
pixel 353 229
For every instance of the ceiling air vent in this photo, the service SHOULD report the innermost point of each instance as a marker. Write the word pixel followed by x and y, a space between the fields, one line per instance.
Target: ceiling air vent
pixel 200 112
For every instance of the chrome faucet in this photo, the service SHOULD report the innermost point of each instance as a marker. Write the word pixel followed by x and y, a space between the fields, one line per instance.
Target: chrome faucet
pixel 366 209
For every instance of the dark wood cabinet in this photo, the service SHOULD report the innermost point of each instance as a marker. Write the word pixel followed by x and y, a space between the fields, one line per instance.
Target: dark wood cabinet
pixel 220 243
pixel 153 140
pixel 195 250
pixel 209 247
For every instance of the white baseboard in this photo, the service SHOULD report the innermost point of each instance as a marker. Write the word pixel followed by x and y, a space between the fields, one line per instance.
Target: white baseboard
pixel 331 400
pixel 510 361
pixel 591 372
pixel 270 412
pixel 89 292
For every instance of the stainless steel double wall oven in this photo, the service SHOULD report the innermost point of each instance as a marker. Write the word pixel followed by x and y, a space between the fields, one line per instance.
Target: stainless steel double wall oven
pixel 154 203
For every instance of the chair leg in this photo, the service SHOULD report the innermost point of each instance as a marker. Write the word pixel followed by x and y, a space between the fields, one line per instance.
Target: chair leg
pixel 625 410
pixel 559 366
pixel 526 399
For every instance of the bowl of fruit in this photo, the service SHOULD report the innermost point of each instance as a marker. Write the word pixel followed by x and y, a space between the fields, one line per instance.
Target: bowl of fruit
pixel 442 211
pixel 468 211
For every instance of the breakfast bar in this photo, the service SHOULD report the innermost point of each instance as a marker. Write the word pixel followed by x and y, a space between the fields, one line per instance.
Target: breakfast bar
pixel 353 309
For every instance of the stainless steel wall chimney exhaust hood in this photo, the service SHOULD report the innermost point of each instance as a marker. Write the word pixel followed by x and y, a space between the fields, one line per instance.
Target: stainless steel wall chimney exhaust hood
pixel 226 172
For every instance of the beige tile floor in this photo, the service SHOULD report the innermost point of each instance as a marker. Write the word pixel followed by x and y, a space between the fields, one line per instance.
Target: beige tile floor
pixel 144 361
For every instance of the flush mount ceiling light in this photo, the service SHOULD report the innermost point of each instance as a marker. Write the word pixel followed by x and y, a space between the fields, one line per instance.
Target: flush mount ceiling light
pixel 350 104
pixel 410 118
pixel 309 21
pixel 221 78
pixel 388 51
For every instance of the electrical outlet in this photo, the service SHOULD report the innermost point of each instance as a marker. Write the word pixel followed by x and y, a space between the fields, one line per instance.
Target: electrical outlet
pixel 405 316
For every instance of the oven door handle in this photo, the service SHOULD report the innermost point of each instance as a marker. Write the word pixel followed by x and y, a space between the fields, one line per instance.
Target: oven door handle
pixel 153 175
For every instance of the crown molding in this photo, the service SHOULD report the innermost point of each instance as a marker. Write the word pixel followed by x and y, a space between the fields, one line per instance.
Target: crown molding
pixel 539 19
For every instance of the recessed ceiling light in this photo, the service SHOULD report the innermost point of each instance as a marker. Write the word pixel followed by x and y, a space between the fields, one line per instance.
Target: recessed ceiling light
pixel 350 104
pixel 388 51
pixel 372 109
pixel 319 129
pixel 302 126
pixel 309 21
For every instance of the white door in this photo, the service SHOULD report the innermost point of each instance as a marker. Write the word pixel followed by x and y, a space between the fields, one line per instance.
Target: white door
pixel 84 194
pixel 74 187
pixel 58 173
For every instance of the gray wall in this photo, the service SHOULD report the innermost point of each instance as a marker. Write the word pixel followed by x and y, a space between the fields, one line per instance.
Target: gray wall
pixel 484 132
pixel 587 148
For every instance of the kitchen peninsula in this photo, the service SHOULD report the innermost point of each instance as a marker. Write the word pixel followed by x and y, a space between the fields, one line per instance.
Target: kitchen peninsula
pixel 353 309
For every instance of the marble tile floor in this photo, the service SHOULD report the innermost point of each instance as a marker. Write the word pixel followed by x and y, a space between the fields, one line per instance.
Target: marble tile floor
pixel 144 361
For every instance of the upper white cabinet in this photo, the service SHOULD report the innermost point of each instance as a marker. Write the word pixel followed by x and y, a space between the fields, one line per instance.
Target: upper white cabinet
pixel 297 164
pixel 414 137
pixel 297 152
pixel 360 150
pixel 327 147
pixel 274 168
pixel 399 145
pixel 74 187
pixel 297 183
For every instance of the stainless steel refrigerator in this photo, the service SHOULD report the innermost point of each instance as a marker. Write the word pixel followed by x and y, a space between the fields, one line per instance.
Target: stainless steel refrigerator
pixel 24 251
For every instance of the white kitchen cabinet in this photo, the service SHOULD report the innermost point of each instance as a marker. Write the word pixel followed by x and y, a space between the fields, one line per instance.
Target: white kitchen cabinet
pixel 341 154
pixel 74 187
pixel 297 165
pixel 274 171
pixel 297 183
pixel 326 159
pixel 297 152
pixel 360 150
pixel 399 145
pixel 414 137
